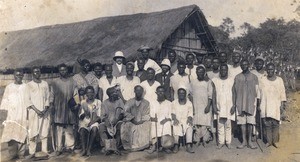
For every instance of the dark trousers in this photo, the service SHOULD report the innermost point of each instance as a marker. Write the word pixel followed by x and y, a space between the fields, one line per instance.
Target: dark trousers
pixel 271 130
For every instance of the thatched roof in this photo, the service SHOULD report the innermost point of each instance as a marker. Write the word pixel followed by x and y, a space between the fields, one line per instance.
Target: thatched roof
pixel 96 40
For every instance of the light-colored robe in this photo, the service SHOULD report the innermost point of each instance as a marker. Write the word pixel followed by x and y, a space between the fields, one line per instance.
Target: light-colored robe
pixel 38 94
pixel 127 86
pixel 182 113
pixel 15 101
pixel 177 81
pixel 224 97
pixel 162 110
pixel 201 92
pixel 273 95
pixel 150 91
pixel 136 137
pixel 104 84
pixel 149 63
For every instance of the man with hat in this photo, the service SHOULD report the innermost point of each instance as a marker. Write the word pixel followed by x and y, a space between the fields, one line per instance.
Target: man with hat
pixel 164 78
pixel 118 66
pixel 148 61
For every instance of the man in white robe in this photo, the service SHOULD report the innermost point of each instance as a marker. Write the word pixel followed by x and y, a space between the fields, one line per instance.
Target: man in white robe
pixel 150 85
pixel 201 92
pixel 182 117
pixel 39 113
pixel 107 81
pixel 128 82
pixel 272 103
pixel 144 50
pixel 160 112
pixel 223 86
pixel 15 102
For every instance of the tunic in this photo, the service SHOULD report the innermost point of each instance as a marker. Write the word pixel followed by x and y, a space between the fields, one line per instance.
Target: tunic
pixel 109 109
pixel 233 71
pixel 14 101
pixel 136 137
pixel 104 84
pixel 224 97
pixel 93 109
pixel 247 91
pixel 127 86
pixel 93 81
pixel 38 94
pixel 201 92
pixel 178 81
pixel 190 72
pixel 62 91
pixel 149 63
pixel 150 91
pixel 272 98
pixel 80 81
pixel 162 110
pixel 182 113
pixel 212 75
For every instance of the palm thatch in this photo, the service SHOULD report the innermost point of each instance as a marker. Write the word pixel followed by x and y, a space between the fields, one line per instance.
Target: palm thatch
pixel 96 39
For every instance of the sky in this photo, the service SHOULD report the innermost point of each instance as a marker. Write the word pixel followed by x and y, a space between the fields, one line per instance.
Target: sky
pixel 26 14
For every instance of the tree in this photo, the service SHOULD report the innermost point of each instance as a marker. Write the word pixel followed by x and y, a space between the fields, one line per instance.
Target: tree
pixel 227 25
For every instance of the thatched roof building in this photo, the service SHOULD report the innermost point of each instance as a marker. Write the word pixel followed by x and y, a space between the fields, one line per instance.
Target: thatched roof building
pixel 182 29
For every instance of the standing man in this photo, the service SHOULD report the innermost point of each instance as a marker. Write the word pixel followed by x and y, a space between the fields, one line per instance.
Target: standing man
pixel 199 57
pixel 94 77
pixel 150 85
pixel 235 69
pixel 118 66
pixel 272 103
pixel 111 116
pixel 14 101
pixel 144 50
pixel 39 112
pixel 141 72
pixel 208 63
pixel 180 79
pixel 164 79
pixel 128 82
pixel 191 68
pixel 182 117
pixel 246 99
pixel 223 87
pixel 107 81
pixel 135 131
pixel 172 56
pixel 215 69
pixel 223 58
pixel 62 99
pixel 201 92
pixel 80 79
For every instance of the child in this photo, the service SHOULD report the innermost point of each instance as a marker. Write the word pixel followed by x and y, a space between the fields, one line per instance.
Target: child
pixel 89 119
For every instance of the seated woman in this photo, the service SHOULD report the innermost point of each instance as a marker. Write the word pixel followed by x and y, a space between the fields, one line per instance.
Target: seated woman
pixel 89 119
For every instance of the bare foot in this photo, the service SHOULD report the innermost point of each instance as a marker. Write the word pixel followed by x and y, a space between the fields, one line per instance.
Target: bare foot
pixel 241 146
pixel 220 146
pixel 252 146
pixel 229 146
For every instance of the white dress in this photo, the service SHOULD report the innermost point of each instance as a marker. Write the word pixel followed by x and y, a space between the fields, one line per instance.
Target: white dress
pixel 150 91
pixel 177 81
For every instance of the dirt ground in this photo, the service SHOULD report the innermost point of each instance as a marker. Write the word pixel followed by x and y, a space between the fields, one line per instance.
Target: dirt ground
pixel 289 147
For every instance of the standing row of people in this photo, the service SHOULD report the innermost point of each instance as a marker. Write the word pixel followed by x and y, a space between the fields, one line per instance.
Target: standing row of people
pixel 145 105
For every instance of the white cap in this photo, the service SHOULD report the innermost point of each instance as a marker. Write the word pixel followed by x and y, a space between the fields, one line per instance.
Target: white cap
pixel 166 62
pixel 119 54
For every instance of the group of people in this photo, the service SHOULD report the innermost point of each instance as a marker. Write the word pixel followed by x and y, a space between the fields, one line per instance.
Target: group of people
pixel 143 105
